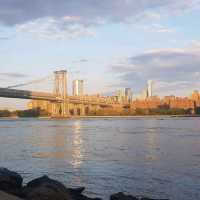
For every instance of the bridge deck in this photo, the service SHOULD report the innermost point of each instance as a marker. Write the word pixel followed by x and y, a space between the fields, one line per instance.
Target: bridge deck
pixel 25 94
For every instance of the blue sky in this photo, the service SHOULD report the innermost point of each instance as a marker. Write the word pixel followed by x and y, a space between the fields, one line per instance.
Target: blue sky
pixel 109 43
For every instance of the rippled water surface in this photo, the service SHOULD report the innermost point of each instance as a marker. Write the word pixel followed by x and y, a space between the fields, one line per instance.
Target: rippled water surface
pixel 157 157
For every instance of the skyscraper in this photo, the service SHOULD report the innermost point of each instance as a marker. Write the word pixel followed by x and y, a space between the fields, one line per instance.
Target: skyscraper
pixel 128 94
pixel 78 88
pixel 144 94
pixel 124 94
pixel 120 95
pixel 150 88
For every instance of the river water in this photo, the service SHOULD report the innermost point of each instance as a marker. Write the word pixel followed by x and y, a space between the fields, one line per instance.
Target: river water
pixel 157 157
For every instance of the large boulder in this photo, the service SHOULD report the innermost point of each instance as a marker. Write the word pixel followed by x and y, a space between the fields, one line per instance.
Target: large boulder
pixel 122 196
pixel 76 194
pixel 5 196
pixel 10 182
pixel 44 188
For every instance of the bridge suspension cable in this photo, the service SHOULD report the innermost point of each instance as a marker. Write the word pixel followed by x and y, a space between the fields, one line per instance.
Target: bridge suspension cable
pixel 29 83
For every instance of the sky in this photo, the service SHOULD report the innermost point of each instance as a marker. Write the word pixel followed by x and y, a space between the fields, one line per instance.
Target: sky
pixel 110 44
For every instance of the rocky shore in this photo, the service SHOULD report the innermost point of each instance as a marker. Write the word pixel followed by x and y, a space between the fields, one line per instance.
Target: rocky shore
pixel 44 188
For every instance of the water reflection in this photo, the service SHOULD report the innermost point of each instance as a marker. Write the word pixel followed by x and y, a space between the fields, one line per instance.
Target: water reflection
pixel 152 142
pixel 59 143
pixel 77 145
pixel 51 145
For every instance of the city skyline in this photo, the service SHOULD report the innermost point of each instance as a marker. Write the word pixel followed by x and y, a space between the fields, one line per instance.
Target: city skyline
pixel 109 44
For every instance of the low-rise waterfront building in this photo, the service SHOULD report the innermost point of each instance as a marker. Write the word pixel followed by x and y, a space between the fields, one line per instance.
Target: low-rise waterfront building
pixel 196 97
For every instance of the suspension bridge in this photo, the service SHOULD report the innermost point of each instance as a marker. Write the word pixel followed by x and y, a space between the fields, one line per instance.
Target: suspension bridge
pixel 60 102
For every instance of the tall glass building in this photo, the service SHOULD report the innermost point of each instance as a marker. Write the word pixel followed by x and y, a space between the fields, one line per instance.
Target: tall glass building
pixel 78 88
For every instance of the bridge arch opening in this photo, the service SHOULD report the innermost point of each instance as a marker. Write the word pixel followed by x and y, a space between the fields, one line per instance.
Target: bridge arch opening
pixel 60 110
pixel 78 111
pixel 87 110
pixel 71 111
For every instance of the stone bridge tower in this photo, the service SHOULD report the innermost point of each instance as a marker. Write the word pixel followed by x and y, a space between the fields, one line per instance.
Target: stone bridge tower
pixel 60 91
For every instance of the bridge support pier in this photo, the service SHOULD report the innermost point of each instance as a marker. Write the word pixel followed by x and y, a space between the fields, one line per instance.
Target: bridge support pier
pixel 60 110
pixel 55 110
pixel 65 109
pixel 97 108
pixel 60 91
pixel 82 110
pixel 75 111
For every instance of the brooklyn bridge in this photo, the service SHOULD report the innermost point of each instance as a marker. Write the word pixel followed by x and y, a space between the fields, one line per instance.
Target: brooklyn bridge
pixel 61 102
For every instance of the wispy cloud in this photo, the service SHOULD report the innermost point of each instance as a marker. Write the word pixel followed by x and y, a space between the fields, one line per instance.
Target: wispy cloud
pixel 52 28
pixel 81 61
pixel 158 28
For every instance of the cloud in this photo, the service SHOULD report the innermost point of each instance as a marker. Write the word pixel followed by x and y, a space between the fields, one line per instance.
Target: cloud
pixel 69 18
pixel 81 61
pixel 22 11
pixel 170 68
pixel 157 28
pixel 58 29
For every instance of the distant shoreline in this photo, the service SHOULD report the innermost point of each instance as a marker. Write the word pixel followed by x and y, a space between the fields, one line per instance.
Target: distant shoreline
pixel 101 117
pixel 117 117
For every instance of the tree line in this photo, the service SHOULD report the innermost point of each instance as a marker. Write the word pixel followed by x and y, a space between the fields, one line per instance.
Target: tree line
pixel 37 112
pixel 141 112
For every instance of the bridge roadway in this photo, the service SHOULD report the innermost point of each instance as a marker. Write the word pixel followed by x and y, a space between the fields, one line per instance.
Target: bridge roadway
pixel 25 94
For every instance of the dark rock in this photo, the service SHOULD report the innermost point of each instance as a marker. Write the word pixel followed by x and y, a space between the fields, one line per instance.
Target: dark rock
pixel 146 198
pixel 122 196
pixel 77 191
pixel 10 182
pixel 76 194
pixel 45 188
pixel 6 196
